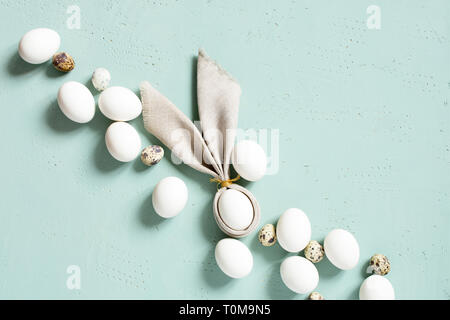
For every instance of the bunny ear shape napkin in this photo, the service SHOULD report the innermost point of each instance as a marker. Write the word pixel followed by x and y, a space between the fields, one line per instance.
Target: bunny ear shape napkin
pixel 218 97
pixel 208 150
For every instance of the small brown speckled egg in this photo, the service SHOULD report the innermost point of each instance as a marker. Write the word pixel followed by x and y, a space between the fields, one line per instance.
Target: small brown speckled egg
pixel 267 235
pixel 62 61
pixel 314 251
pixel 379 264
pixel 315 296
pixel 152 155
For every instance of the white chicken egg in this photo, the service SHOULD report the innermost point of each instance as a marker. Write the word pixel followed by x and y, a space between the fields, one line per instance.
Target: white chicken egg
pixel 249 160
pixel 169 197
pixel 293 230
pixel 342 249
pixel 233 258
pixel 299 274
pixel 123 141
pixel 76 102
pixel 376 287
pixel 235 209
pixel 39 45
pixel 119 104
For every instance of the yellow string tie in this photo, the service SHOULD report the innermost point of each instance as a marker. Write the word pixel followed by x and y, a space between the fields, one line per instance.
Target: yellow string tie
pixel 224 183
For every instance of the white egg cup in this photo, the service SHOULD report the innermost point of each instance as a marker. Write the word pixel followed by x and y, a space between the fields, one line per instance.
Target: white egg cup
pixel 221 223
pixel 218 96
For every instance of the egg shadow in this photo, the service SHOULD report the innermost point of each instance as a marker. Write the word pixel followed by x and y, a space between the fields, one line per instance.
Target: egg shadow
pixel 103 160
pixel 354 294
pixel 138 124
pixel 57 121
pixel 277 290
pixel 91 87
pixel 364 273
pixel 194 100
pixel 52 72
pixel 242 182
pixel 209 227
pixel 211 273
pixel 137 92
pixel 18 67
pixel 327 269
pixel 272 253
pixel 147 214
pixel 99 123
pixel 138 166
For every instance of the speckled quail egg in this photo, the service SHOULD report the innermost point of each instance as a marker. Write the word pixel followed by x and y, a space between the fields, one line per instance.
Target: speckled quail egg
pixel 379 264
pixel 63 61
pixel 267 235
pixel 314 251
pixel 315 296
pixel 101 78
pixel 151 155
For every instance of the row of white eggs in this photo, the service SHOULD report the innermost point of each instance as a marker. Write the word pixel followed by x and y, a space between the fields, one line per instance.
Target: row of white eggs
pixel 293 233
pixel 297 273
pixel 77 102
pixel 340 247
pixel 116 103
pixel 123 142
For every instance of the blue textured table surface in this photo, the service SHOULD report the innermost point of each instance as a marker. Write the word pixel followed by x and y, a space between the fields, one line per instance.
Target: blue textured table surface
pixel 364 137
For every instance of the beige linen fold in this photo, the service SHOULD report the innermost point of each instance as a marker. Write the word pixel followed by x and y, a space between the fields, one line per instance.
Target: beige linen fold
pixel 208 150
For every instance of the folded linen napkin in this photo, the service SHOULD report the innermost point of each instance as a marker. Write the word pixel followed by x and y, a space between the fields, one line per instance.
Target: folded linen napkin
pixel 208 150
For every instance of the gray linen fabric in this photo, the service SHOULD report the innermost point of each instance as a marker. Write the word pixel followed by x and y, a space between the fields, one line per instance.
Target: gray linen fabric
pixel 208 150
